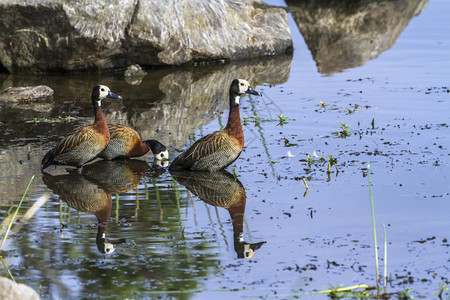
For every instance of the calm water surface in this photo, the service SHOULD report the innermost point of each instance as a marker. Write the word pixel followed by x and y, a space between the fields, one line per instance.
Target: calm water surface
pixel 132 229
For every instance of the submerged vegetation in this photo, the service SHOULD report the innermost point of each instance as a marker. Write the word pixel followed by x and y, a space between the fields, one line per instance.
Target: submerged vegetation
pixel 59 119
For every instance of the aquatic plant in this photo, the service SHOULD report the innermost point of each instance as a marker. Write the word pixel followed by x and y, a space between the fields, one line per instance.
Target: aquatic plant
pixel 59 119
pixel 350 111
pixel 281 120
pixel 322 161
pixel 405 294
pixel 344 132
pixel 443 288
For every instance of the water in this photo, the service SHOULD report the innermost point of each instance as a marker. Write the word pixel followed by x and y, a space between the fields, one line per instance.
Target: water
pixel 185 237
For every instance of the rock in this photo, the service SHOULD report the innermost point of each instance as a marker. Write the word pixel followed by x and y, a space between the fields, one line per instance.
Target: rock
pixel 346 34
pixel 135 71
pixel 26 94
pixel 31 97
pixel 72 35
pixel 134 74
pixel 9 290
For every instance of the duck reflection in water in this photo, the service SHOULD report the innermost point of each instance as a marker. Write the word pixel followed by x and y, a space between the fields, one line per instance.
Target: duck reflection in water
pixel 91 191
pixel 116 176
pixel 222 189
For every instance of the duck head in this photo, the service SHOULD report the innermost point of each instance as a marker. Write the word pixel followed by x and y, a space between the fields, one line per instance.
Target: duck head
pixel 101 92
pixel 240 87
pixel 158 149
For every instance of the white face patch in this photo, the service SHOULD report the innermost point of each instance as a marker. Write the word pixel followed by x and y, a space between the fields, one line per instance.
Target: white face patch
pixel 164 155
pixel 248 252
pixel 104 90
pixel 162 163
pixel 109 248
pixel 243 86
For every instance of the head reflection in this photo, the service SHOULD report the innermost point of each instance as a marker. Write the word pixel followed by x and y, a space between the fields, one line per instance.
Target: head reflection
pixel 221 189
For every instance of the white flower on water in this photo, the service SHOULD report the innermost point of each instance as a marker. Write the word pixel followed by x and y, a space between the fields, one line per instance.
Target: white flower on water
pixel 315 154
pixel 368 166
pixel 289 154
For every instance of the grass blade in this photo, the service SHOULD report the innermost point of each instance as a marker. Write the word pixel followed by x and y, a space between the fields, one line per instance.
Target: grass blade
pixel 385 257
pixel 15 213
pixel 343 289
pixel 374 228
pixel 7 270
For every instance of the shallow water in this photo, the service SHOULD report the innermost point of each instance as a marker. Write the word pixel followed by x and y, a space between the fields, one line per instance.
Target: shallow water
pixel 184 237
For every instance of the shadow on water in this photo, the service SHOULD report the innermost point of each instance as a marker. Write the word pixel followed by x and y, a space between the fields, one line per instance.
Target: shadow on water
pixel 221 189
pixel 346 34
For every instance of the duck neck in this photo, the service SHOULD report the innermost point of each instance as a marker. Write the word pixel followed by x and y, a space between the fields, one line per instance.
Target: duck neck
pixel 139 149
pixel 100 122
pixel 234 126
pixel 97 110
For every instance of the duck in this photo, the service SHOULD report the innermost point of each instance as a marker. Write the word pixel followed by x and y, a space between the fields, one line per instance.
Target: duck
pixel 219 149
pixel 125 142
pixel 84 144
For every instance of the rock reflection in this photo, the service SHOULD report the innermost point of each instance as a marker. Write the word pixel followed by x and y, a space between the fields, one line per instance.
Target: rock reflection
pixel 346 34
pixel 184 100
pixel 222 189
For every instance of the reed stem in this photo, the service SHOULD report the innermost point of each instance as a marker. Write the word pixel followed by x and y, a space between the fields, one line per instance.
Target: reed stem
pixel 374 229
pixel 15 213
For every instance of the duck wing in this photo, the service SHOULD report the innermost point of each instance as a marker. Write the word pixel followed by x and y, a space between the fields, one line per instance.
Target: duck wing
pixel 70 142
pixel 212 152
pixel 119 131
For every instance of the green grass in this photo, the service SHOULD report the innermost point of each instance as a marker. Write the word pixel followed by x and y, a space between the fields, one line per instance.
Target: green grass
pixel 15 214
pixel 344 131
pixel 374 230
pixel 59 119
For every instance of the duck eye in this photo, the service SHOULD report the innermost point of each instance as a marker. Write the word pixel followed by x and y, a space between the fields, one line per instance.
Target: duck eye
pixel 102 89
pixel 242 84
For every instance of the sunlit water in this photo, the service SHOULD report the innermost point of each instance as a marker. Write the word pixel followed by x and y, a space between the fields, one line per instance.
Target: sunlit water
pixel 169 242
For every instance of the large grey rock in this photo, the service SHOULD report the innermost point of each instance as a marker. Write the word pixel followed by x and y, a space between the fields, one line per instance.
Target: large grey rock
pixel 10 290
pixel 72 35
pixel 26 94
pixel 35 98
pixel 346 34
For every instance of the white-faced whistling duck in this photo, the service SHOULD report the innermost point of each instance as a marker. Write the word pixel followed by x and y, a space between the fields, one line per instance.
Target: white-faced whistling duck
pixel 219 149
pixel 84 144
pixel 126 142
